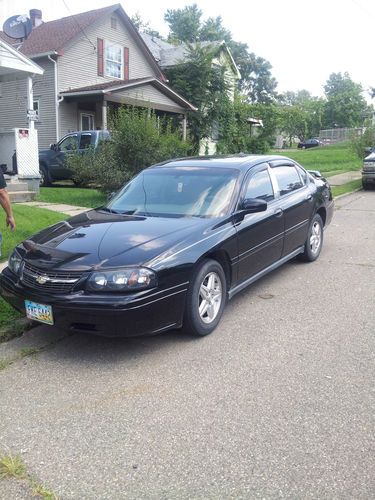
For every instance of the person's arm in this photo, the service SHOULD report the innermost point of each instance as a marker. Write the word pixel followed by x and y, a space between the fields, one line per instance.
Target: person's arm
pixel 5 203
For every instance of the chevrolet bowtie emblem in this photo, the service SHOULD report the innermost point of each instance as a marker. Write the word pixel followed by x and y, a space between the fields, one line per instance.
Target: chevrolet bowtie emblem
pixel 42 280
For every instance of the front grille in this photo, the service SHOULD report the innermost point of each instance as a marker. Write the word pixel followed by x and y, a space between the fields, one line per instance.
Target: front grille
pixel 50 281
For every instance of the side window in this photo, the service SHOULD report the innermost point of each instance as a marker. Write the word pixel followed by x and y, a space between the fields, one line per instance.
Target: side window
pixel 85 141
pixel 260 186
pixel 303 174
pixel 287 179
pixel 70 143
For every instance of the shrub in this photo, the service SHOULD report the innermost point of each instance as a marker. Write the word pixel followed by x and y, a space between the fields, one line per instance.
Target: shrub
pixel 359 143
pixel 139 139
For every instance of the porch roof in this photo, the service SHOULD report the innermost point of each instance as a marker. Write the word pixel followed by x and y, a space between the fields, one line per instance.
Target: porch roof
pixel 109 88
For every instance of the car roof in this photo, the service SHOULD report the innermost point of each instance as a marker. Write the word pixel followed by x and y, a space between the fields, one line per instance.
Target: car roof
pixel 240 161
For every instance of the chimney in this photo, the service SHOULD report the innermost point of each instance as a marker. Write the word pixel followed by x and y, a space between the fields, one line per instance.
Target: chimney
pixel 36 17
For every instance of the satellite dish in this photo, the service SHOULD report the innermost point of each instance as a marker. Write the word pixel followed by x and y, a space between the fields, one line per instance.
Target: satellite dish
pixel 17 27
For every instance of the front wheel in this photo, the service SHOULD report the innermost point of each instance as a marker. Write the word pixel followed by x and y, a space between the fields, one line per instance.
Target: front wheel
pixel 314 241
pixel 45 179
pixel 205 299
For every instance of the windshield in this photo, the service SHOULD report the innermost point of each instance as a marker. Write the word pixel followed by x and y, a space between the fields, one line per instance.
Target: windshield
pixel 177 192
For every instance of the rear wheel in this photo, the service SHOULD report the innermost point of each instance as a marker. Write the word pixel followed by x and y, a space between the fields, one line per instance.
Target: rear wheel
pixel 314 241
pixel 206 299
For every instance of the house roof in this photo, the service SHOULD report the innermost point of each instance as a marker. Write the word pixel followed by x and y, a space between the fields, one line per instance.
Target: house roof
pixel 169 55
pixel 53 36
pixel 116 85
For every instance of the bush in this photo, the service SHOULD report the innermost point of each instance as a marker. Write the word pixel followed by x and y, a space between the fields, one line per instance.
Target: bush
pixel 139 139
pixel 359 143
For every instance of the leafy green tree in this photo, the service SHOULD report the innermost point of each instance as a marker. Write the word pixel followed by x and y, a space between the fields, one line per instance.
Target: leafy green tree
pixel 300 114
pixel 257 82
pixel 346 106
pixel 203 84
pixel 143 26
pixel 184 24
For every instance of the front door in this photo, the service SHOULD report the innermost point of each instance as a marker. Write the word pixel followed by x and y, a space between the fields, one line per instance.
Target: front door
pixel 260 235
pixel 87 121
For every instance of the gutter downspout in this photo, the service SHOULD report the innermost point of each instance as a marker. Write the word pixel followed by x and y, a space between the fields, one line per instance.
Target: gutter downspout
pixel 57 99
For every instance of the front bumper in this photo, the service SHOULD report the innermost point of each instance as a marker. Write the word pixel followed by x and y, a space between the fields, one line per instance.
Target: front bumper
pixel 368 177
pixel 108 315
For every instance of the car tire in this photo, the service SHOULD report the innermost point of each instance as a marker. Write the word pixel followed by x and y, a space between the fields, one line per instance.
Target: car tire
pixel 45 179
pixel 314 240
pixel 206 299
pixel 365 185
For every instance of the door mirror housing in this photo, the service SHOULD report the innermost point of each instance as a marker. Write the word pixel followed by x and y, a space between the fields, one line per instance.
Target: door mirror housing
pixel 253 205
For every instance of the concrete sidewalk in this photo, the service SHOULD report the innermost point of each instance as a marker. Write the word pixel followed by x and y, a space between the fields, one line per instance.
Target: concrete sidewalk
pixel 340 179
pixel 57 207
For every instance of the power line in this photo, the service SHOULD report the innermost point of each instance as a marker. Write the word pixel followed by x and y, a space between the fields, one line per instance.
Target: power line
pixel 79 26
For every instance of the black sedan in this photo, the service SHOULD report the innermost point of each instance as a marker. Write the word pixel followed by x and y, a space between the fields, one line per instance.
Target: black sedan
pixel 171 247
pixel 310 143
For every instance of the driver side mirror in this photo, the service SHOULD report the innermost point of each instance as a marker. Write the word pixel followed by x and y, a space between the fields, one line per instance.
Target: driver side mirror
pixel 253 205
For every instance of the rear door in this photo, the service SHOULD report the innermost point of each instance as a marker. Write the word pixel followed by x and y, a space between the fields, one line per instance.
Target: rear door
pixel 260 235
pixel 296 202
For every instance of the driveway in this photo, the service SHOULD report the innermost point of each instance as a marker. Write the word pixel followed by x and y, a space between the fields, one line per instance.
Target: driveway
pixel 279 402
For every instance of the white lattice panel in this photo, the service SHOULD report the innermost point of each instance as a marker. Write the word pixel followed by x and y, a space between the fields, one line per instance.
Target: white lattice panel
pixel 27 152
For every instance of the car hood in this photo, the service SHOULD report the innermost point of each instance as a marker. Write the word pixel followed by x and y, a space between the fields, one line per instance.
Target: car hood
pixel 97 239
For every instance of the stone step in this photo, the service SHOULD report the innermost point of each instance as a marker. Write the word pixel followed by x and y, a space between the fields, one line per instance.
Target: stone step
pixel 21 196
pixel 16 186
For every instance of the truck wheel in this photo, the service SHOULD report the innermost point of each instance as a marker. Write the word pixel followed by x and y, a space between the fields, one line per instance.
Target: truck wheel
pixel 45 179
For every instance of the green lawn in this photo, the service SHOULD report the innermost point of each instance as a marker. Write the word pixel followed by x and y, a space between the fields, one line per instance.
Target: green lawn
pixel 329 160
pixel 81 197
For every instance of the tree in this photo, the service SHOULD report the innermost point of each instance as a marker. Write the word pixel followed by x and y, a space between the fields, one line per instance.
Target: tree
pixel 143 26
pixel 300 114
pixel 257 82
pixel 184 24
pixel 346 106
pixel 203 84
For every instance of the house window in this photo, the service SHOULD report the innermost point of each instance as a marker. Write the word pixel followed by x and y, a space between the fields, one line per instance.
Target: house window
pixel 114 61
pixel 87 121
pixel 113 23
pixel 36 108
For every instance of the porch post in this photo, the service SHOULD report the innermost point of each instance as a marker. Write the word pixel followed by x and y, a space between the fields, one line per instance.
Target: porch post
pixel 184 127
pixel 104 115
pixel 30 99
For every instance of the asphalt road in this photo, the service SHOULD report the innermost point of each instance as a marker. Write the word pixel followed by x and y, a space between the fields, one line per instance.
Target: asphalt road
pixel 279 402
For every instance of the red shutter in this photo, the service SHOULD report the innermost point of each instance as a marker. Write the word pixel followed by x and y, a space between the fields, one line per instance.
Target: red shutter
pixel 126 63
pixel 100 57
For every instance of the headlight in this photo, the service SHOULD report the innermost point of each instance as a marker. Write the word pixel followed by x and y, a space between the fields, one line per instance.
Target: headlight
pixel 15 262
pixel 122 280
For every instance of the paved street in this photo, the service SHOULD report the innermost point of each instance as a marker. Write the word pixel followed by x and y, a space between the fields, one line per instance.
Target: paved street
pixel 279 402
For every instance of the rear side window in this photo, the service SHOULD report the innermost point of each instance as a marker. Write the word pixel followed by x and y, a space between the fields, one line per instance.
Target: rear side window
pixel 260 186
pixel 287 179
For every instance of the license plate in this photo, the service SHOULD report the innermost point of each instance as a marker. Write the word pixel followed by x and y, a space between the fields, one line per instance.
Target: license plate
pixel 39 312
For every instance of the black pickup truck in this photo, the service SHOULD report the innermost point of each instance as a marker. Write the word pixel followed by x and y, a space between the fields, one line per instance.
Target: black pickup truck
pixel 52 161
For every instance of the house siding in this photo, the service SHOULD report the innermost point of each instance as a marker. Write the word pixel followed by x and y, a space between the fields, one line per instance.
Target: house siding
pixel 13 104
pixel 77 67
pixel 44 91
pixel 148 94
pixel 68 118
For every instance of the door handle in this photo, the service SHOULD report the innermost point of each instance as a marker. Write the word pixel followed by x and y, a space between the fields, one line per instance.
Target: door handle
pixel 278 212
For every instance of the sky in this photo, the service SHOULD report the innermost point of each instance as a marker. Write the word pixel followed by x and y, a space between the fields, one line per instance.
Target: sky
pixel 304 41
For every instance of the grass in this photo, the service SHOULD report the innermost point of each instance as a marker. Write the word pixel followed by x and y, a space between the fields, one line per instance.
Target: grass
pixel 346 188
pixel 81 197
pixel 12 467
pixel 329 160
